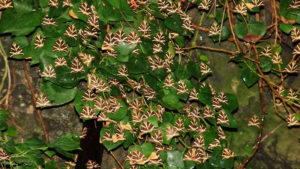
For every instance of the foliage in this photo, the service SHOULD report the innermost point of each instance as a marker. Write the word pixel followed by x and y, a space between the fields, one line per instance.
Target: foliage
pixel 150 100
pixel 33 152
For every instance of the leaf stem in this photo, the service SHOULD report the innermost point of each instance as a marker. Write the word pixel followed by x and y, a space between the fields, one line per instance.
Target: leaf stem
pixel 46 137
pixel 183 143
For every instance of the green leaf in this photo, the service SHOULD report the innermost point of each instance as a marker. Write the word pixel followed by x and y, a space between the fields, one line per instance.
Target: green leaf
pixel 224 34
pixel 56 94
pixel 35 143
pixel 50 153
pixel 248 77
pixel 109 145
pixel 180 72
pixel 124 50
pixel 171 101
pixel 240 30
pixel 11 131
pixel 3 116
pixel 194 69
pixel 265 64
pixel 147 148
pixel 51 165
pixel 69 142
pixel 286 28
pixel 175 160
pixel 180 41
pixel 297 116
pixel 219 15
pixel 120 114
pixel 217 162
pixel 232 103
pixel 137 65
pixel 257 28
pixel 129 139
pixel 78 103
pixel 174 23
pixel 19 25
pixel 114 3
pixel 204 95
pixel 111 14
pixel 22 6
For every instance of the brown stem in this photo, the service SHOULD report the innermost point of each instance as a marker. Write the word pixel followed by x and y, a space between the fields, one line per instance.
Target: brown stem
pixel 212 49
pixel 271 86
pixel 259 137
pixel 46 137
pixel 271 132
pixel 231 26
pixel 200 28
pixel 274 12
pixel 119 163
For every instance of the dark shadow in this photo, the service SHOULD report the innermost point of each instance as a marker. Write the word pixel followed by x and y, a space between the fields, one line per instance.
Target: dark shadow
pixel 91 148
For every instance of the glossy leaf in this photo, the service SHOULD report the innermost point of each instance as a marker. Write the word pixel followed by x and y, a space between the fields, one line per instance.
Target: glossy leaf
pixel 265 64
pixel 19 25
pixel 224 34
pixel 240 30
pixel 69 142
pixel 286 28
pixel 175 159
pixel 56 94
pixel 257 28
pixel 124 51
pixel 248 77
pixel 174 23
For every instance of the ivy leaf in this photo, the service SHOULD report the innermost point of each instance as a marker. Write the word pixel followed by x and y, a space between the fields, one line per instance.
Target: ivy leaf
pixel 194 69
pixel 124 50
pixel 257 28
pixel 248 77
pixel 204 95
pixel 224 34
pixel 19 25
pixel 11 131
pixel 109 145
pixel 174 23
pixel 216 159
pixel 111 14
pixel 137 65
pixel 3 116
pixel 265 64
pixel 78 103
pixel 219 16
pixel 232 103
pixel 35 143
pixel 129 139
pixel 120 114
pixel 286 28
pixel 180 72
pixel 56 94
pixel 175 159
pixel 147 149
pixel 114 3
pixel 22 6
pixel 240 30
pixel 51 165
pixel 171 101
pixel 69 142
